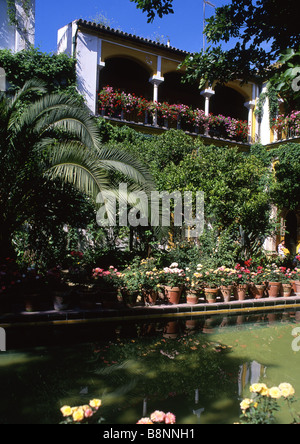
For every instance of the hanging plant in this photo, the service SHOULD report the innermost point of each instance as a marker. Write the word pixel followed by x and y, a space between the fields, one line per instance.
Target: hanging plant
pixel 272 95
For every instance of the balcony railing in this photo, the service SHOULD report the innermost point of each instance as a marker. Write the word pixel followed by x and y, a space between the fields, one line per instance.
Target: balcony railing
pixel 287 127
pixel 130 108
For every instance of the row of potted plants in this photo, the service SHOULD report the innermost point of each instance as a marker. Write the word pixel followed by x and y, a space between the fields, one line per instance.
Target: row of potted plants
pixel 114 103
pixel 145 279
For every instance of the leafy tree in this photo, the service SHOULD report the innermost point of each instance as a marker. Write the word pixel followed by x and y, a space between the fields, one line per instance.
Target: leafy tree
pixel 262 30
pixel 234 185
pixel 287 78
pixel 153 7
pixel 49 142
pixel 285 189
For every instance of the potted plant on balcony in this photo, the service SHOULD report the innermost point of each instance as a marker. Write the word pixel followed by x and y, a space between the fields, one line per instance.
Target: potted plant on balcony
pixel 174 280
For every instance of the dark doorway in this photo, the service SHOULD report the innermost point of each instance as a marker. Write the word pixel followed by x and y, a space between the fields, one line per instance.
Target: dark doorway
pixel 228 103
pixel 128 76
pixel 173 91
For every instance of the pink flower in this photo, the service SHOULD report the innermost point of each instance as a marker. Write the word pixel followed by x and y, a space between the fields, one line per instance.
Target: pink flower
pixel 88 413
pixel 158 416
pixel 145 421
pixel 170 418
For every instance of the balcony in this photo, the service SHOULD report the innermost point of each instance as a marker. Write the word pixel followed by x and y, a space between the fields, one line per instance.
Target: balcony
pixel 287 128
pixel 128 108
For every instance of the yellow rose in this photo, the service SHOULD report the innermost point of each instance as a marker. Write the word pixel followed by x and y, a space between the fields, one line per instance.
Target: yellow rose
pixel 261 389
pixel 286 390
pixel 245 405
pixel 78 415
pixel 95 403
pixel 275 393
pixel 66 411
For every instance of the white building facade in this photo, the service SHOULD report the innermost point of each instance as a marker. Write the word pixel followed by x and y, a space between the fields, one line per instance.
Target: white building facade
pixel 17 37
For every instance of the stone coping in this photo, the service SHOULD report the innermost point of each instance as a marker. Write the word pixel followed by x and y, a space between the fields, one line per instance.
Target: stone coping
pixel 80 317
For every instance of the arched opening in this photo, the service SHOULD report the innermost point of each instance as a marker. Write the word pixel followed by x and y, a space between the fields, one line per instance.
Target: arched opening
pixel 229 103
pixel 291 232
pixel 127 75
pixel 173 91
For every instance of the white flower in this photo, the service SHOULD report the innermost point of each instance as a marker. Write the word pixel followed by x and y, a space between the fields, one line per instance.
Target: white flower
pixel 174 265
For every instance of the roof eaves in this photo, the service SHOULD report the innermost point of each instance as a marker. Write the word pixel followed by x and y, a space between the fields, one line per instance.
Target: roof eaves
pixel 132 37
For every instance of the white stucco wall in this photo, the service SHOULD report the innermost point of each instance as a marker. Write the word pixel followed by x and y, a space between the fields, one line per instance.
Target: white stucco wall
pixel 11 37
pixel 88 54
pixel 265 129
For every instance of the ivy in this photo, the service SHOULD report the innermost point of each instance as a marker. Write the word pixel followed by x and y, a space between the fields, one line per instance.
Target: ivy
pixel 272 95
pixel 12 11
pixel 57 71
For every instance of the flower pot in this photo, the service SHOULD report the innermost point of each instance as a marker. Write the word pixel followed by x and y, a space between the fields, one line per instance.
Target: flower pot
pixel 173 294
pixel 129 298
pixel 211 295
pixel 259 291
pixel 294 288
pixel 192 298
pixel 60 301
pixel 287 290
pixel 274 289
pixel 226 293
pixel 150 297
pixel 297 288
pixel 242 292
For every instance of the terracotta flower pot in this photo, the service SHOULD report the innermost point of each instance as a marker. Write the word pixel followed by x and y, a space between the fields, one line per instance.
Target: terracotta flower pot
pixel 259 291
pixel 173 294
pixel 242 292
pixel 274 289
pixel 150 297
pixel 211 295
pixel 287 290
pixel 226 293
pixel 192 298
pixel 297 286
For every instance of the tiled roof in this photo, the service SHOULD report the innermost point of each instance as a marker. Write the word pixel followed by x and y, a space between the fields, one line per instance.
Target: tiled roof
pixel 106 29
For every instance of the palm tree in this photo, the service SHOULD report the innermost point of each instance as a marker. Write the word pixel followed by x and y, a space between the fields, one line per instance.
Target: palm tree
pixel 52 138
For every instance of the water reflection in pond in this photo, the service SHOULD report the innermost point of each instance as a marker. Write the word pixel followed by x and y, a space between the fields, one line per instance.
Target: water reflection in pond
pixel 198 368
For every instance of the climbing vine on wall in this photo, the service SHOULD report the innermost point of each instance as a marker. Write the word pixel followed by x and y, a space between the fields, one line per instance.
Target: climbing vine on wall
pixel 272 95
pixel 12 10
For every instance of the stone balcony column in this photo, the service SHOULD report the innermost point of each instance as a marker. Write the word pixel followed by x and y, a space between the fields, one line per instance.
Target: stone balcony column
pixel 208 94
pixel 250 106
pixel 156 81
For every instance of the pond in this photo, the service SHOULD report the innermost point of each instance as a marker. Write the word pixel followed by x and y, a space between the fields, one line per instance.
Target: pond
pixel 197 368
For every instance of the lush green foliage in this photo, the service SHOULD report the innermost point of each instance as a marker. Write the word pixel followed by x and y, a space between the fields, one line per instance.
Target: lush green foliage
pixel 285 190
pixel 57 71
pixel 46 149
pixel 249 24
pixel 286 80
pixel 152 7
